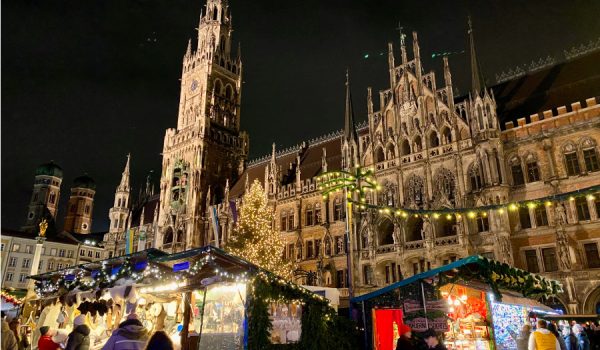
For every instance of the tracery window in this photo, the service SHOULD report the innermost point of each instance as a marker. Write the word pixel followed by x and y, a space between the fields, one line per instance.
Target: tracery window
pixel 475 178
pixel 517 171
pixel 571 159
pixel 533 171
pixel 415 190
pixel 444 186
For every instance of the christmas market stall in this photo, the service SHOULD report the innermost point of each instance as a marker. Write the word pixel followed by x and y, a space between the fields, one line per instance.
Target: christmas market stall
pixel 476 303
pixel 230 303
pixel 11 302
pixel 104 292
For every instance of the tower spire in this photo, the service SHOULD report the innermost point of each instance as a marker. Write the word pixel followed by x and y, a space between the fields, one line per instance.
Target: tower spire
pixel 477 83
pixel 349 127
pixel 124 185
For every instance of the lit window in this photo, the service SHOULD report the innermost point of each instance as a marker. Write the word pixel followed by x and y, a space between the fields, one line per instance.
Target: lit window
pixel 16 247
pixel 28 249
pixel 53 251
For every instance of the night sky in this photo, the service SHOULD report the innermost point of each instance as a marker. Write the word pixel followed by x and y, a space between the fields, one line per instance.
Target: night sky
pixel 86 82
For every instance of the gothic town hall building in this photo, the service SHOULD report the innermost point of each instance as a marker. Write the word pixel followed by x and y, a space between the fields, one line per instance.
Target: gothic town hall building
pixel 523 139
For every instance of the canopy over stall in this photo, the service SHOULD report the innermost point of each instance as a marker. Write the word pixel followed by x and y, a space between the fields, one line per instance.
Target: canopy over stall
pixel 422 291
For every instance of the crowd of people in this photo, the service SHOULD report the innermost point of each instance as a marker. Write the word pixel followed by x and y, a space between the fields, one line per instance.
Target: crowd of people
pixel 546 336
pixel 130 335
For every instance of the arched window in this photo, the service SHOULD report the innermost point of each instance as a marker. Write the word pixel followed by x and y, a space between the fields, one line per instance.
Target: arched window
pixel 590 156
pixel 119 205
pixel 480 118
pixel 215 13
pixel 222 43
pixel 418 144
pixel 317 213
pixel 291 219
pixel 533 171
pixel 434 140
pixel 571 159
pixel 284 226
pixel 52 197
pixel 228 91
pixel 446 135
pixel 413 228
pixel 405 148
pixel 337 209
pixel 517 171
pixel 87 209
pixel 309 215
pixel 483 224
pixel 444 186
pixel 475 178
pixel 218 87
pixel 179 236
pixel 168 237
pixel 391 154
pixel 415 193
pixel 379 155
pixel 386 232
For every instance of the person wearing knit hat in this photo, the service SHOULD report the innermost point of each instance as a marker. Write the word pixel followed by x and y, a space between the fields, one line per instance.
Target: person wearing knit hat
pixel 45 342
pixel 79 338
pixel 405 341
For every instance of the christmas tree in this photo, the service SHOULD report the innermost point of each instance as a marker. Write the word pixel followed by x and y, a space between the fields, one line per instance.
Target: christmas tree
pixel 254 237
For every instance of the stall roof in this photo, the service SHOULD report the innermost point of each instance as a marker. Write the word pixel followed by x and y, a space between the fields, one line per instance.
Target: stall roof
pixel 151 253
pixel 474 260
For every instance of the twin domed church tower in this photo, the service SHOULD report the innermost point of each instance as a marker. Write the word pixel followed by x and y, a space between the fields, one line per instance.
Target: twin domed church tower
pixel 46 196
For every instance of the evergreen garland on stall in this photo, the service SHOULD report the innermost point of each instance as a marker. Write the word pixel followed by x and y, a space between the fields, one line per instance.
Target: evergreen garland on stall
pixel 321 327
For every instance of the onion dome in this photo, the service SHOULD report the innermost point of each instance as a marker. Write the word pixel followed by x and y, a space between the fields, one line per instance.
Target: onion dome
pixel 49 169
pixel 84 181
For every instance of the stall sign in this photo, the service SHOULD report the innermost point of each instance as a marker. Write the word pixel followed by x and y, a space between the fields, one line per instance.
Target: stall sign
pixel 181 266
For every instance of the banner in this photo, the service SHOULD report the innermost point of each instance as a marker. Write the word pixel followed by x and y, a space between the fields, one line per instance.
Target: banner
pixel 234 212
pixel 128 241
pixel 215 222
pixel 419 320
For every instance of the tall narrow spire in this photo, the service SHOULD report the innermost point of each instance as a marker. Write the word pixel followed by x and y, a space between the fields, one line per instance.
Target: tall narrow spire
pixel 477 82
pixel 124 185
pixel 349 127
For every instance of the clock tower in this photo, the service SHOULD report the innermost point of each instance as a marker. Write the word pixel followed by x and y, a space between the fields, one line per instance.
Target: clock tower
pixel 207 148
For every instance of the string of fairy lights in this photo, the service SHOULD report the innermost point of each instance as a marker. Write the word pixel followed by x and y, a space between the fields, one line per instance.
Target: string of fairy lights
pixel 359 182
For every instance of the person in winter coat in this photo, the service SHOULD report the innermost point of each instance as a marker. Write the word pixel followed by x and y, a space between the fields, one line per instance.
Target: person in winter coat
pixel 45 342
pixel 583 342
pixel 131 335
pixel 405 340
pixel 79 338
pixel 522 339
pixel 569 338
pixel 561 341
pixel 9 341
pixel 160 341
pixel 432 341
pixel 542 338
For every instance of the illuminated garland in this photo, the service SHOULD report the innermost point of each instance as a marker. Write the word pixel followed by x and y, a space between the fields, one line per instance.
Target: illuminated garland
pixel 361 181
pixel 11 298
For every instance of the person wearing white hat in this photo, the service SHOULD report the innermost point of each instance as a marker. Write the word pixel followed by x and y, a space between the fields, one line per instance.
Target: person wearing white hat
pixel 79 339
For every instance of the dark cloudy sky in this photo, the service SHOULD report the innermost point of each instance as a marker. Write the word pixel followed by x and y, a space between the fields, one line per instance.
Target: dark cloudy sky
pixel 86 82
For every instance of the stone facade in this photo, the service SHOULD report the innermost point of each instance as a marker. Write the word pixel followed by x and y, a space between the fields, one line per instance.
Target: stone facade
pixel 431 150
pixel 207 148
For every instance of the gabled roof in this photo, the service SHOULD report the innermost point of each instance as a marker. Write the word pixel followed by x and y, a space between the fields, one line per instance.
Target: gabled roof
pixel 554 86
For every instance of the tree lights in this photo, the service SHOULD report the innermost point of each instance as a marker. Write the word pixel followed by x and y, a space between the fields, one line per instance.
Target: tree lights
pixel 254 238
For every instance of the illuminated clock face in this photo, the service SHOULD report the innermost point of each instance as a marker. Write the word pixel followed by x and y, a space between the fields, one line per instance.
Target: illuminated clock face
pixel 194 85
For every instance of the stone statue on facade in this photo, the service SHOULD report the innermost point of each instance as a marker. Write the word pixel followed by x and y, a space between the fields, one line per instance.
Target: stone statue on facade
pixel 560 214
pixel 427 230
pixel 505 249
pixel 562 245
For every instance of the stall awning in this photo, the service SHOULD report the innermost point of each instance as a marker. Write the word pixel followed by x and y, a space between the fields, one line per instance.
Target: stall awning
pixel 496 274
